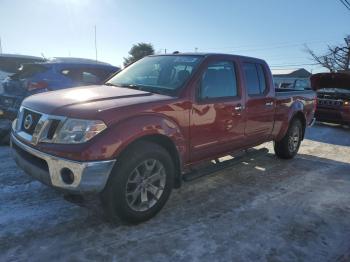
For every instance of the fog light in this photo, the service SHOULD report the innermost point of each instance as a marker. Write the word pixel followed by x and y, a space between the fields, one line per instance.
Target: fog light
pixel 67 176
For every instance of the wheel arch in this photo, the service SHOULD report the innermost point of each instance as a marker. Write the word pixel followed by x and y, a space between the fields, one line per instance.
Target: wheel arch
pixel 166 143
pixel 155 128
pixel 300 115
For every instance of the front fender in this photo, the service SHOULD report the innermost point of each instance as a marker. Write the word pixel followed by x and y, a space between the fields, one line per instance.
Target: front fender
pixel 118 136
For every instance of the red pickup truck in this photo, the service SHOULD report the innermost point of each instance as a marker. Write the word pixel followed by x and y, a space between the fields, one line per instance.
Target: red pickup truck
pixel 133 139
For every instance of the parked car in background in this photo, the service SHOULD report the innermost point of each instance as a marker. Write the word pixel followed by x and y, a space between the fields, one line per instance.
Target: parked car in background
pixel 333 97
pixel 137 136
pixel 10 63
pixel 55 74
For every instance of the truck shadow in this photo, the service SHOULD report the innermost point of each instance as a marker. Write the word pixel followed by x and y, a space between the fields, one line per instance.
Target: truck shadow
pixel 329 133
pixel 230 195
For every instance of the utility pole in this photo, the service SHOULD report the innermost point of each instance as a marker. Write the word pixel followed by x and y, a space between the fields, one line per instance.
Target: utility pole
pixel 196 49
pixel 164 50
pixel 95 45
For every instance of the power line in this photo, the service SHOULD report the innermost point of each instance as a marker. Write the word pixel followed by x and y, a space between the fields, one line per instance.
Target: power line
pixel 243 48
pixel 286 65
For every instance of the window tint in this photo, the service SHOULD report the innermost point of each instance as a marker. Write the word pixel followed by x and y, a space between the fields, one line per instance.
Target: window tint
pixel 219 80
pixel 251 79
pixel 254 78
pixel 29 70
pixel 89 78
pixel 262 80
pixel 82 76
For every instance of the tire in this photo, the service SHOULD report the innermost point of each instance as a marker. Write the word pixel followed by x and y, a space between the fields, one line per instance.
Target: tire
pixel 288 147
pixel 122 196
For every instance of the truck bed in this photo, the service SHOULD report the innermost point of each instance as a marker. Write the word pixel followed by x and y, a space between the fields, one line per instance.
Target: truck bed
pixel 292 92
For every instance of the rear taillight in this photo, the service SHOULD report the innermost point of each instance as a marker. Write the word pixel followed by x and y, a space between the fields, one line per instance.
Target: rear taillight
pixel 37 85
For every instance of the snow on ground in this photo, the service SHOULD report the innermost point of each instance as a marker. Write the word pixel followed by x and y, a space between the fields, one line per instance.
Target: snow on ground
pixel 264 209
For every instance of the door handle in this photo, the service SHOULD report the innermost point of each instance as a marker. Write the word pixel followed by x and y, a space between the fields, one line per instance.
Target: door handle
pixel 269 103
pixel 238 107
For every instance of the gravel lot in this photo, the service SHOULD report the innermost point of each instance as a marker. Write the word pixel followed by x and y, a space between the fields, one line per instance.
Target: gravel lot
pixel 263 209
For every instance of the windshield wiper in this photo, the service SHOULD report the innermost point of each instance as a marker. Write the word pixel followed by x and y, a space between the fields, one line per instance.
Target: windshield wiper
pixel 140 87
pixel 109 84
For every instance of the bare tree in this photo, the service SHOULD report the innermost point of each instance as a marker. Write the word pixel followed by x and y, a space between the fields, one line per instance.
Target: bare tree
pixel 337 58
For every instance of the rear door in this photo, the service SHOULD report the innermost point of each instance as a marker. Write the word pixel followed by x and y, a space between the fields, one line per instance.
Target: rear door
pixel 217 120
pixel 260 107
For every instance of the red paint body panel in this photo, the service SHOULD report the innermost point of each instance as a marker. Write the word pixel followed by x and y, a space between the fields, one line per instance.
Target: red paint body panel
pixel 200 130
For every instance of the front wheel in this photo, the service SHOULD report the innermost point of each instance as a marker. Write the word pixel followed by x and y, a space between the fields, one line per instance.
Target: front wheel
pixel 140 183
pixel 289 145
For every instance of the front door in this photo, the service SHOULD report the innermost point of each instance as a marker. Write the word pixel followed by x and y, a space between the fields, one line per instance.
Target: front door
pixel 217 119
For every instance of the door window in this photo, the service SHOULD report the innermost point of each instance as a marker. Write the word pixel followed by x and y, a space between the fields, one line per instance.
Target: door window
pixel 82 76
pixel 219 80
pixel 254 78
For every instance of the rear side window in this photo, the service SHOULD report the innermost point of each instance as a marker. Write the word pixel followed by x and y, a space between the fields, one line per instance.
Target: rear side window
pixel 29 70
pixel 254 78
pixel 90 78
pixel 262 79
pixel 85 76
pixel 219 80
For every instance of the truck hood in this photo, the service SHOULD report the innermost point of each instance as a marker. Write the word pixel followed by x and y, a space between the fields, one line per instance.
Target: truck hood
pixel 89 101
pixel 330 80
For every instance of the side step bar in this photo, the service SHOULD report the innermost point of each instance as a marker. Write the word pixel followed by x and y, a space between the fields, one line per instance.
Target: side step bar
pixel 217 166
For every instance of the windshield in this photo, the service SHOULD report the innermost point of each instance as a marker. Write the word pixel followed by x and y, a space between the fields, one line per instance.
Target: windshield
pixel 158 74
pixel 334 90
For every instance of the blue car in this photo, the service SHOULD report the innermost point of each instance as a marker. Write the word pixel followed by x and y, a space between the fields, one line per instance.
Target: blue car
pixel 55 74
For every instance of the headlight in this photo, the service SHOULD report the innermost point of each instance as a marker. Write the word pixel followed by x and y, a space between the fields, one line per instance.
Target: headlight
pixel 76 131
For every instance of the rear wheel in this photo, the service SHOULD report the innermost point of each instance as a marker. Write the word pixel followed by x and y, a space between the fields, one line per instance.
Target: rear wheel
pixel 140 183
pixel 288 147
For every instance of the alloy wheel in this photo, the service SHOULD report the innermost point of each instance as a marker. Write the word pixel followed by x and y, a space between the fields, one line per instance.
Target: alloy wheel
pixel 294 138
pixel 145 185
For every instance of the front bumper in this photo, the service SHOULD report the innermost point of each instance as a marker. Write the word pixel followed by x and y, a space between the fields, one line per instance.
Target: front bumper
pixel 337 116
pixel 88 177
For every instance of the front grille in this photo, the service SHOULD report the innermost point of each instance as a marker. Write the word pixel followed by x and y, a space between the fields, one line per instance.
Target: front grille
pixel 29 122
pixel 327 102
pixel 327 96
pixel 37 127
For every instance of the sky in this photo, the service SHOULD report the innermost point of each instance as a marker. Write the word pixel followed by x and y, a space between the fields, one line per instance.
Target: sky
pixel 274 30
